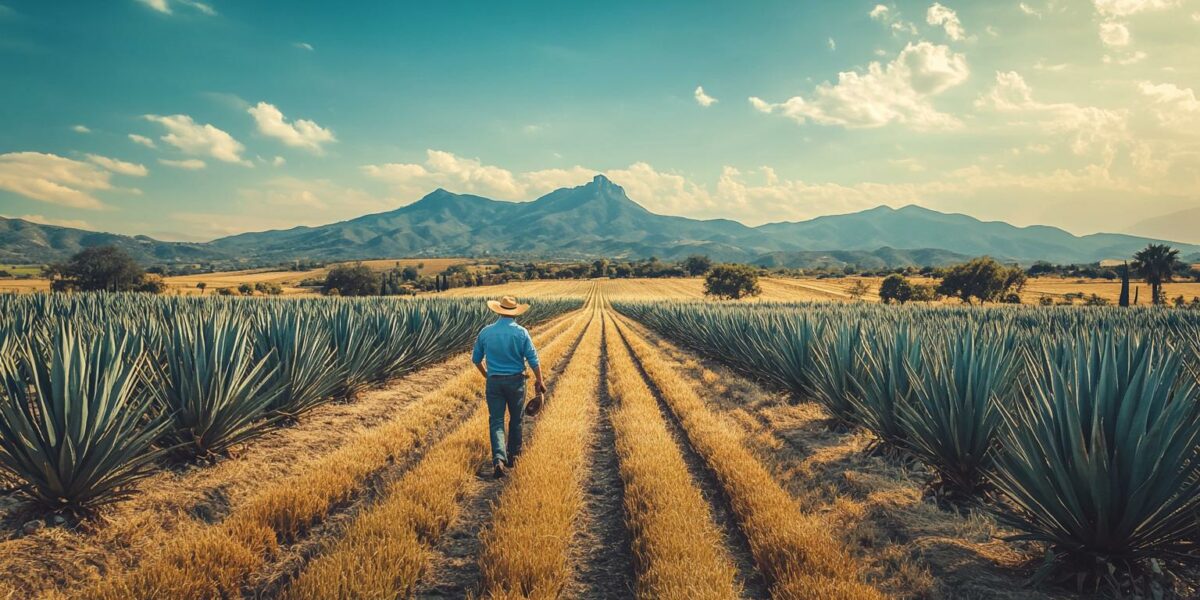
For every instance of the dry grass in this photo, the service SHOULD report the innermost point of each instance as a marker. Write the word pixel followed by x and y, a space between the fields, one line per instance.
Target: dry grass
pixel 795 550
pixel 678 550
pixel 216 561
pixel 525 550
pixel 289 280
pixel 387 549
pixel 527 289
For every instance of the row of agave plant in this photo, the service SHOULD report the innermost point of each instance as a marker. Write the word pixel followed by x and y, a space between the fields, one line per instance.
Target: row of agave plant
pixel 97 390
pixel 1079 428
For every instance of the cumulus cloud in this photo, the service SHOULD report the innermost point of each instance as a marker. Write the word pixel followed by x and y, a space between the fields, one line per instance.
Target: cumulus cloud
pixel 1029 10
pixel 1125 8
pixel 947 19
pixel 81 129
pixel 143 140
pixel 119 166
pixel 1092 129
pixel 1172 105
pixel 54 179
pixel 703 99
pixel 300 133
pixel 200 140
pixel 899 92
pixel 1113 33
pixel 188 164
pixel 879 13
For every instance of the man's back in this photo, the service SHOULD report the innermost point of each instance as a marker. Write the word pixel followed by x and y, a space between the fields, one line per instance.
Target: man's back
pixel 506 346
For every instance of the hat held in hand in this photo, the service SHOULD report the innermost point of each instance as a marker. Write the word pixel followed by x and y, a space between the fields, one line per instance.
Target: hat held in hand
pixel 534 406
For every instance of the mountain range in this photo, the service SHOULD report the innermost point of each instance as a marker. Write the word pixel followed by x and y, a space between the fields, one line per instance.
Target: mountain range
pixel 599 220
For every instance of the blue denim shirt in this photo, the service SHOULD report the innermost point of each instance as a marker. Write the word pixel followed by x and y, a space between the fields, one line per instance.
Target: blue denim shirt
pixel 506 346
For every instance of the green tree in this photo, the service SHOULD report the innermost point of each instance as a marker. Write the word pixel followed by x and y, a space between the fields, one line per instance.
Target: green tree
pixel 1156 264
pixel 1124 299
pixel 246 289
pixel 99 268
pixel 410 273
pixel 732 281
pixel 600 268
pixel 352 280
pixel 895 288
pixel 201 286
pixel 697 264
pixel 982 279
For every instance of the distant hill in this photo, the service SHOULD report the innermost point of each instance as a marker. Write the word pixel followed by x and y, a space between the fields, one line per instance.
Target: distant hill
pixel 24 242
pixel 1179 225
pixel 599 220
pixel 883 258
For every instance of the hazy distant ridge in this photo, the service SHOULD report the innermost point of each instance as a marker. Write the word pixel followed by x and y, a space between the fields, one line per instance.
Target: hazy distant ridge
pixel 598 219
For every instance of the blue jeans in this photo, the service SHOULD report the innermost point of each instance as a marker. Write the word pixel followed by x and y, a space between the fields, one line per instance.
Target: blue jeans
pixel 501 393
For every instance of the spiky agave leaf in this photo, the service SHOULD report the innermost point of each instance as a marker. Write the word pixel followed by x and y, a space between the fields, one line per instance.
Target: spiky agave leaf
pixel 301 357
pixel 77 424
pixel 837 369
pixel 891 358
pixel 954 412
pixel 1100 460
pixel 361 351
pixel 216 391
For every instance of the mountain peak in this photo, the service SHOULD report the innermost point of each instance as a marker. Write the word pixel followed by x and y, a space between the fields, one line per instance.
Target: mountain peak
pixel 604 184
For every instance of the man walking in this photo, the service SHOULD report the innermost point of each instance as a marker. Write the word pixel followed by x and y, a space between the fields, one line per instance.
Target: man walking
pixel 506 347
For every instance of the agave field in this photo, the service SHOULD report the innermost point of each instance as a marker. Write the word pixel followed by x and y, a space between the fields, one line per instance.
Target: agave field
pixel 1079 429
pixel 97 390
pixel 208 448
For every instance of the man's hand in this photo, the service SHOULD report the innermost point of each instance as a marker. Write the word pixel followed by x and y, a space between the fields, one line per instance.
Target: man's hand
pixel 482 370
pixel 539 386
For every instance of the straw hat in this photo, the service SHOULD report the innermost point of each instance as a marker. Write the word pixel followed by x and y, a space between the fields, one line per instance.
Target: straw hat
pixel 507 306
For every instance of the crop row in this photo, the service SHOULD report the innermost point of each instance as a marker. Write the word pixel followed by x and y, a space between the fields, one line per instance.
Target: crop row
pixel 95 389
pixel 216 561
pixel 1079 428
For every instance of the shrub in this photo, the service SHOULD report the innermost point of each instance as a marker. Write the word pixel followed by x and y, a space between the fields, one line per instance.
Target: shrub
pixel 732 281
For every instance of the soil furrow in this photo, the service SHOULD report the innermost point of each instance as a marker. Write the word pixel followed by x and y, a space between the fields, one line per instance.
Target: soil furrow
pixel 751 580
pixel 602 552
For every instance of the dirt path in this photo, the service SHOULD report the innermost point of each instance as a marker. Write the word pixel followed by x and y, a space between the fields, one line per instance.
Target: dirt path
pixel 601 552
pixel 738 546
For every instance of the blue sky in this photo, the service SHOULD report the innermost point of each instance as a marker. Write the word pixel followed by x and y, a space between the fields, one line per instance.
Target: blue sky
pixel 184 119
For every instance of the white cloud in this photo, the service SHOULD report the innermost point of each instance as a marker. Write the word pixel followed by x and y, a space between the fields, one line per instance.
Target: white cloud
pixel 159 5
pixel 143 140
pixel 1196 17
pixel 189 164
pixel 1125 8
pixel 703 99
pixel 1029 10
pixel 54 179
pixel 1126 59
pixel 300 133
pixel 884 14
pixel 899 92
pixel 303 46
pixel 164 6
pixel 939 15
pixel 1172 105
pixel 81 129
pixel 44 220
pixel 200 140
pixel 832 44
pixel 1113 33
pixel 119 166
pixel 1093 129
pixel 443 169
pixel 278 161
pixel 879 13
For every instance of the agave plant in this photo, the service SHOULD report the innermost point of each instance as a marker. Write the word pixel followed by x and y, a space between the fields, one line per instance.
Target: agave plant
pixel 890 364
pixel 305 371
pixel 77 422
pixel 1100 460
pixel 954 412
pixel 837 368
pixel 216 391
pixel 361 352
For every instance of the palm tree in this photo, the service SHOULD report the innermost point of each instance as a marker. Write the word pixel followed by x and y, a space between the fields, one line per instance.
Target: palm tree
pixel 1156 264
